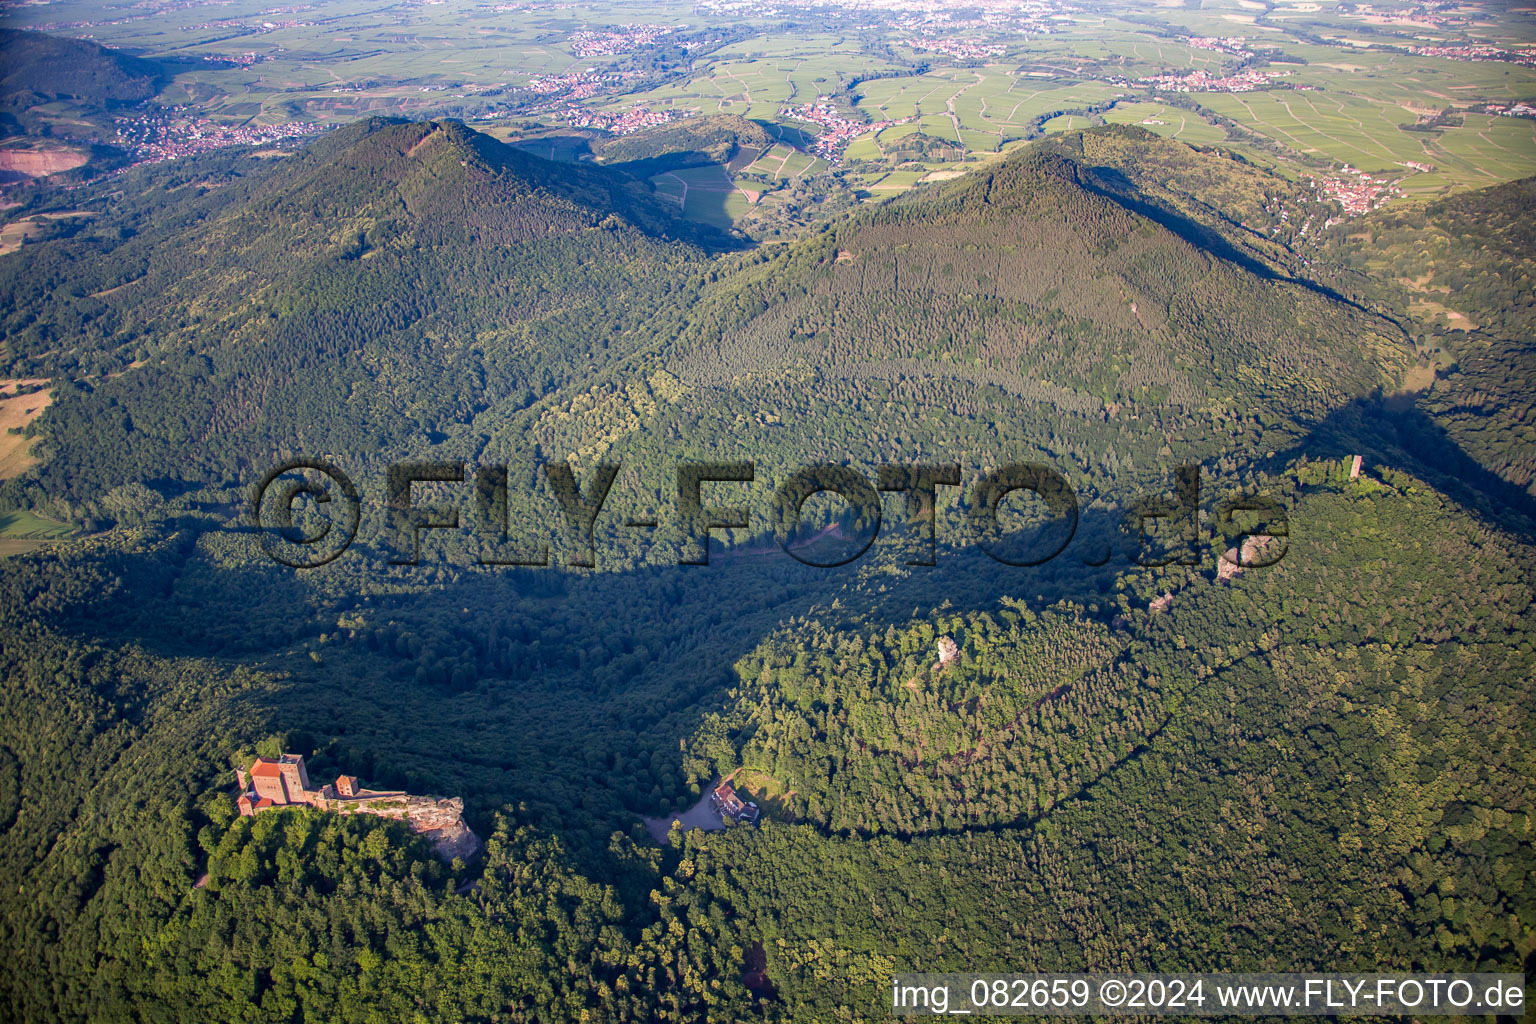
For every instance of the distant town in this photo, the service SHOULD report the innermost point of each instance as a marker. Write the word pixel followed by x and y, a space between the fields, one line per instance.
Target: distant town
pixel 171 133
pixel 1201 81
pixel 1526 59
pixel 619 122
pixel 837 131
pixel 961 49
pixel 625 39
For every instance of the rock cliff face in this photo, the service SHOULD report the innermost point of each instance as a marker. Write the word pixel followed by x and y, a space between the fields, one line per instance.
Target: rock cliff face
pixel 442 822
pixel 37 163
pixel 439 819
pixel 1255 550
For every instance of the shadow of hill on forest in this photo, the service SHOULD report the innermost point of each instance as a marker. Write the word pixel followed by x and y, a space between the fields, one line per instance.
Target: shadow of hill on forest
pixel 568 694
pixel 1111 183
pixel 1392 430
pixel 562 692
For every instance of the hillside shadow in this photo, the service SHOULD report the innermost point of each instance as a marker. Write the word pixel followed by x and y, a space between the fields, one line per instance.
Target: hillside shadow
pixel 648 167
pixel 1112 184
pixel 566 698
pixel 568 149
pixel 1391 430
pixel 561 693
pixel 700 195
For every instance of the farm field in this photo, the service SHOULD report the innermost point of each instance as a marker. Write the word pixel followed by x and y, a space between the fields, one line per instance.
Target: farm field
pixel 1368 135
pixel 989 104
pixel 1409 79
pixel 555 79
pixel 758 85
pixel 784 161
pixel 16 411
pixel 896 181
pixel 1169 122
pixel 22 531
pixel 705 194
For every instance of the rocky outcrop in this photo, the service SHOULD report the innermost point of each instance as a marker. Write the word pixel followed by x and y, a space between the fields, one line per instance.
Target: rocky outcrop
pixel 442 822
pixel 439 819
pixel 1256 551
pixel 38 163
pixel 949 652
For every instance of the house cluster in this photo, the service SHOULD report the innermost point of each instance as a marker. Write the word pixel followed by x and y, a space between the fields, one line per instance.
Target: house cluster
pixel 154 137
pixel 624 39
pixel 242 27
pixel 960 49
pixel 1235 46
pixel 1356 191
pixel 836 130
pixel 277 782
pixel 741 8
pixel 1417 17
pixel 243 60
pixel 1200 81
pixel 618 122
pixel 1526 57
pixel 729 804
pixel 577 84
pixel 580 85
pixel 1512 110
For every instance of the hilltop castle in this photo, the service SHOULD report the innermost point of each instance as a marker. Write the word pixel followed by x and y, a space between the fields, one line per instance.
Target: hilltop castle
pixel 283 781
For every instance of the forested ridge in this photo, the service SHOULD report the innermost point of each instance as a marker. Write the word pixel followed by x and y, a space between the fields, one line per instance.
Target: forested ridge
pixel 1084 765
pixel 36 68
pixel 692 142
pixel 395 280
pixel 1471 286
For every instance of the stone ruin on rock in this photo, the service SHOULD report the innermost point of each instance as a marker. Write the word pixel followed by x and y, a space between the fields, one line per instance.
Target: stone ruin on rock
pixel 283 781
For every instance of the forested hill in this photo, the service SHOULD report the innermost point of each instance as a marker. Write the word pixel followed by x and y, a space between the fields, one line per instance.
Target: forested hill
pixel 1216 199
pixel 1023 311
pixel 1471 292
pixel 498 195
pixel 404 286
pixel 387 285
pixel 35 67
pixel 1326 763
pixel 1026 272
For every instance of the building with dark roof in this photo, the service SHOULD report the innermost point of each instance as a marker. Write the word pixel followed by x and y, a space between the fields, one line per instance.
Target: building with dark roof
pixel 730 804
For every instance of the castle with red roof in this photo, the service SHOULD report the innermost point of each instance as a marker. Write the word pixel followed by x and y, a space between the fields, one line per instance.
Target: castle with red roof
pixel 276 782
pixel 283 781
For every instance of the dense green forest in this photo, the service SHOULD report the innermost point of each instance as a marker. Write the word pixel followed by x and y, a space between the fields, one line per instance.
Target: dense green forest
pixel 392 281
pixel 1472 285
pixel 36 68
pixel 1087 764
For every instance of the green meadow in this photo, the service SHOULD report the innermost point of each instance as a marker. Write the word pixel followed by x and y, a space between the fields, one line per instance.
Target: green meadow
pixel 1169 122
pixel 22 530
pixel 1370 135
